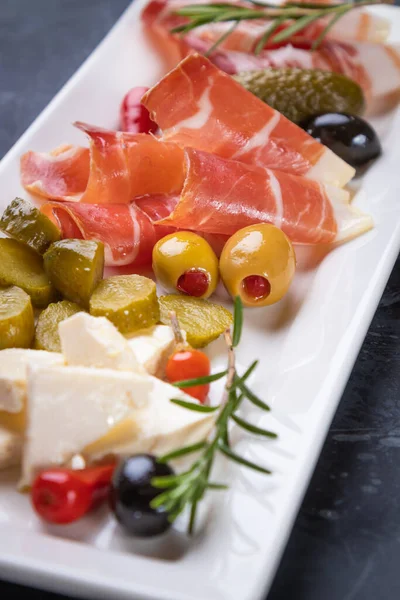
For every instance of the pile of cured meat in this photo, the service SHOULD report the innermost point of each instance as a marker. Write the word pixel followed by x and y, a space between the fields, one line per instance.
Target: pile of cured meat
pixel 223 160
pixel 354 46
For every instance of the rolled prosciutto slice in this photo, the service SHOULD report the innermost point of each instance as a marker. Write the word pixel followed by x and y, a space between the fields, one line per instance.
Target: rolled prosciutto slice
pixel 61 174
pixel 221 196
pixel 199 106
pixel 117 168
pixel 127 231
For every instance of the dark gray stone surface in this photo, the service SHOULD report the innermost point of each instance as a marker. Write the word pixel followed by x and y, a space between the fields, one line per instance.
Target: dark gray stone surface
pixel 346 541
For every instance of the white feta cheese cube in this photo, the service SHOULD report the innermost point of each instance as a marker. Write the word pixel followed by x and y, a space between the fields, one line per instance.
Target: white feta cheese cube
pixel 13 373
pixel 68 408
pixel 152 348
pixel 159 426
pixel 95 342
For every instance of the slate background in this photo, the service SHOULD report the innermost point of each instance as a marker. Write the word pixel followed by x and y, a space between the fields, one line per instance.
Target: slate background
pixel 345 544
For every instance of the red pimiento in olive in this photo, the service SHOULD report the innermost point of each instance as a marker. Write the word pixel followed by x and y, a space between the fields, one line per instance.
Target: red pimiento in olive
pixel 348 136
pixel 256 286
pixel 134 117
pixel 132 493
pixel 64 495
pixel 193 283
pixel 189 363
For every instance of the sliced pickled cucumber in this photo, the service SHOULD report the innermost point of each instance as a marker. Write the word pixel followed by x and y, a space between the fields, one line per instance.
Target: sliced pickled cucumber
pixel 47 336
pixel 17 325
pixel 202 320
pixel 22 221
pixel 302 93
pixel 129 301
pixel 23 267
pixel 75 267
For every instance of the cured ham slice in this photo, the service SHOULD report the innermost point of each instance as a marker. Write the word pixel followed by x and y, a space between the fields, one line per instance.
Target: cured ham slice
pixel 159 15
pixel 221 196
pixel 61 174
pixel 117 168
pixel 127 231
pixel 199 106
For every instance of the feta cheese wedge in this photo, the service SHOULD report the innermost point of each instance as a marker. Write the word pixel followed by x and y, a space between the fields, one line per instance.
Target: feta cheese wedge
pixel 95 342
pixel 159 426
pixel 10 448
pixel 68 408
pixel 13 373
pixel 152 348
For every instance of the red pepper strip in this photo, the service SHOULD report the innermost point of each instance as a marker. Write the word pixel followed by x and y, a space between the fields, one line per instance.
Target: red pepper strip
pixel 63 495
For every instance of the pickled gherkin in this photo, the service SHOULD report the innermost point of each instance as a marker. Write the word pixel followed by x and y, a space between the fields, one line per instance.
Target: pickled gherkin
pixel 75 267
pixel 302 93
pixel 128 301
pixel 25 223
pixel 202 320
pixel 17 326
pixel 23 267
pixel 47 336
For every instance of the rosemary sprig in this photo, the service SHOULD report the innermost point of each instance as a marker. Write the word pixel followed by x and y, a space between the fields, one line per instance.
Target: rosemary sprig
pixel 295 15
pixel 188 488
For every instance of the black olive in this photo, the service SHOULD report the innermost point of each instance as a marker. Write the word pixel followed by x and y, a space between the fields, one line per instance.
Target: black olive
pixel 348 136
pixel 132 493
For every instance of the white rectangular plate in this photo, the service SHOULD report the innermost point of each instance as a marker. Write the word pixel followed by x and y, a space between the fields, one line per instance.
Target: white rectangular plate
pixel 307 345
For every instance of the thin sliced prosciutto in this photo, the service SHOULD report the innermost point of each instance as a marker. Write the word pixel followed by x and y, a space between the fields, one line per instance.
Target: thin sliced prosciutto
pixel 197 105
pixel 127 231
pixel 358 25
pixel 117 168
pixel 221 196
pixel 61 174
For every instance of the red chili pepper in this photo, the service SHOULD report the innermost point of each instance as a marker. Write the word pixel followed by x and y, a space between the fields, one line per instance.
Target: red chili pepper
pixel 134 117
pixel 189 364
pixel 63 495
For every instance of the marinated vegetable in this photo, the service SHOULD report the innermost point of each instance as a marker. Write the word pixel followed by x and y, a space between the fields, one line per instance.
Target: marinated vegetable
pixel 75 267
pixel 132 493
pixel 186 263
pixel 17 325
pixel 351 138
pixel 203 321
pixel 47 337
pixel 258 264
pixel 301 93
pixel 129 301
pixel 23 267
pixel 63 496
pixel 22 221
